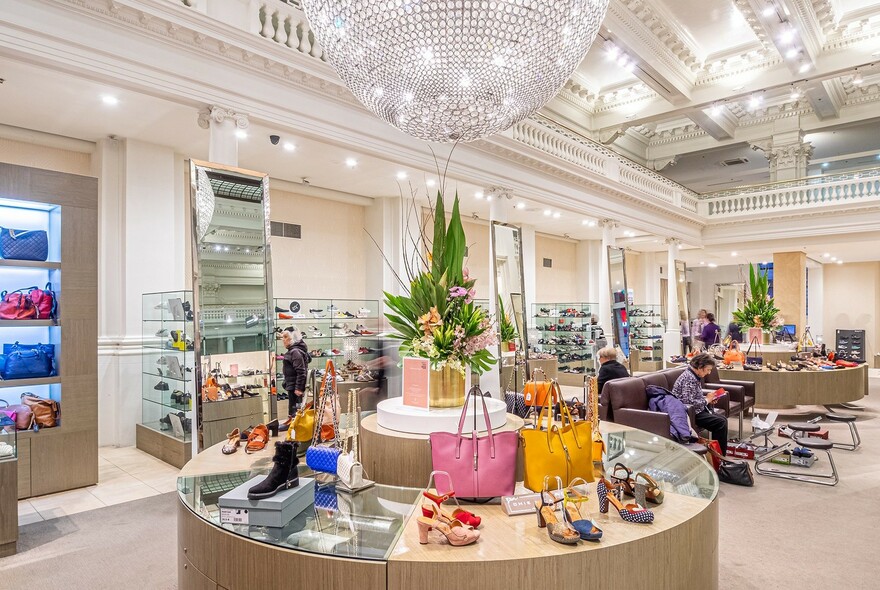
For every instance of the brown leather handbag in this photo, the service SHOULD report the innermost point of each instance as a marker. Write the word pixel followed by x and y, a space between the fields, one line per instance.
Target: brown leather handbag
pixel 47 412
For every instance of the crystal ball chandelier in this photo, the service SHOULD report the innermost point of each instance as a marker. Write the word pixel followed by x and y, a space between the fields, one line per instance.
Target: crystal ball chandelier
pixel 454 70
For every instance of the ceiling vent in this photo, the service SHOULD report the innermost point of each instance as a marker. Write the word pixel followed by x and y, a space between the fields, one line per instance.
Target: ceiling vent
pixel 734 162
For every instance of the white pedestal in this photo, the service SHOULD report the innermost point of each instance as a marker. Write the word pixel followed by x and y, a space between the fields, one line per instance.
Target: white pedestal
pixel 393 415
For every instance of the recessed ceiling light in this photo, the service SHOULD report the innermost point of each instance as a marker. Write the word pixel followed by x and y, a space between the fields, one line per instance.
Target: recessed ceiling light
pixel 109 100
pixel 857 79
pixel 520 205
pixel 628 234
pixel 787 36
pixel 804 68
pixel 592 224
pixel 241 133
pixel 764 263
pixel 826 255
pixel 716 110
pixel 754 102
pixel 825 164
pixel 351 162
pixel 840 262
pixel 703 262
pixel 833 258
pixel 585 222
pixel 290 147
pixel 791 53
pixel 712 265
pixel 401 175
pixel 557 215
pixel 795 93
pixel 547 212
pixel 489 197
pixel 733 253
pixel 737 88
pixel 479 194
pixel 769 11
pixel 430 182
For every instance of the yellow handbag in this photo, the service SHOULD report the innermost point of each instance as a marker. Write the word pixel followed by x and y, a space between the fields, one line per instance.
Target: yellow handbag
pixel 565 452
pixel 303 424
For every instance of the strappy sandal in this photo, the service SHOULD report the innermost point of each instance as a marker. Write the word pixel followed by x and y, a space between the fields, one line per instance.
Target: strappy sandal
pixel 257 439
pixel 232 442
pixel 653 493
pixel 627 484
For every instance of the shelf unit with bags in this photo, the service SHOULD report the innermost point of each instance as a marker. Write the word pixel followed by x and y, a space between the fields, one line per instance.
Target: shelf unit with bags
pixel 167 387
pixel 567 330
pixel 646 337
pixel 48 326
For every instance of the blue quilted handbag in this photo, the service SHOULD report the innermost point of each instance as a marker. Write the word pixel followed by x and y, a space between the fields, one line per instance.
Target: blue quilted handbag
pixel 322 458
pixel 325 497
pixel 19 244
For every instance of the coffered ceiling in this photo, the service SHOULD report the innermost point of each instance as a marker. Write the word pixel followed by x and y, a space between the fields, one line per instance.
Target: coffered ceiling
pixel 669 78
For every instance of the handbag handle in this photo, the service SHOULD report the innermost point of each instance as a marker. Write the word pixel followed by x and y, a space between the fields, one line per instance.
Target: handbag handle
pixel 433 478
pixel 474 432
pixel 551 396
pixel 535 370
pixel 754 341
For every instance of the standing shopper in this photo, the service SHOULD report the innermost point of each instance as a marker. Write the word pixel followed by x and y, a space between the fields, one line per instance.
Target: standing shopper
pixel 711 332
pixel 295 367
pixel 697 330
pixel 685 335
pixel 689 389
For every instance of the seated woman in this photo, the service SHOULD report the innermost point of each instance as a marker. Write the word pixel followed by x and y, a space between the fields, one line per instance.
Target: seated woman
pixel 689 389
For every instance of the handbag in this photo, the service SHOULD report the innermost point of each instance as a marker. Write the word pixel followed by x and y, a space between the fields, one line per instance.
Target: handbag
pixel 535 392
pixel 47 412
pixel 515 400
pixel 45 300
pixel 565 451
pixel 21 244
pixel 17 305
pixel 325 497
pixel 24 418
pixel 733 472
pixel 330 411
pixel 302 427
pixel 479 466
pixel 754 360
pixel 28 361
pixel 348 466
pixel 322 456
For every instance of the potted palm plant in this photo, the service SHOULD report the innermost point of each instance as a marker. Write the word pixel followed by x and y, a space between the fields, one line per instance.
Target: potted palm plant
pixel 758 314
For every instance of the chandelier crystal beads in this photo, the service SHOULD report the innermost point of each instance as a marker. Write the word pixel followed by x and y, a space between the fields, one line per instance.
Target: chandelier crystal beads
pixel 450 70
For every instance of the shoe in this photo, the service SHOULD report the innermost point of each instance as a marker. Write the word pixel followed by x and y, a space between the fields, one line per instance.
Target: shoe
pixel 363 312
pixel 233 440
pixel 279 309
pixel 162 333
pixel 161 386
pixel 363 330
pixel 625 483
pixel 558 531
pixel 332 308
pixel 346 314
pixel 316 335
pixel 653 493
pixel 273 425
pixel 257 439
pixel 435 510
pixel 455 532
pixel 318 313
pixel 284 474
pixel 629 512
pixel 571 502
pixel 285 316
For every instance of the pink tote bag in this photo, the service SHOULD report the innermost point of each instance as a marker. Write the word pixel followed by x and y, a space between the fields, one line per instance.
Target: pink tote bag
pixel 479 466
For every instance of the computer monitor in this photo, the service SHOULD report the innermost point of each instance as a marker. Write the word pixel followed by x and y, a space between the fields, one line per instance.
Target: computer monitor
pixel 790 329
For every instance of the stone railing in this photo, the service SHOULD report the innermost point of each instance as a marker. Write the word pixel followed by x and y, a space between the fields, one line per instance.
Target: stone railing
pixel 795 195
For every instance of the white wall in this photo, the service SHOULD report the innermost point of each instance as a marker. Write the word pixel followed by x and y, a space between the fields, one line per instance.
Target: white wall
pixel 556 284
pixel 852 301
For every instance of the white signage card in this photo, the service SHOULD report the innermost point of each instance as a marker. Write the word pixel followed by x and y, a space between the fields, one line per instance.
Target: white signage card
pixel 233 516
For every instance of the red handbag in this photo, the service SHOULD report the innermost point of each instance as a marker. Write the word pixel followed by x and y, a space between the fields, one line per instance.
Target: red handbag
pixel 45 301
pixel 17 305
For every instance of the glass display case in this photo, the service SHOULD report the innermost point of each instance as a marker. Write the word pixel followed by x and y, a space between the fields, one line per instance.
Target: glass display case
pixel 167 373
pixel 8 438
pixel 568 331
pixel 33 291
pixel 646 336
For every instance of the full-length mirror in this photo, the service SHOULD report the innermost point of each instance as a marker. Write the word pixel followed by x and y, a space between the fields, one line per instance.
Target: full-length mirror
pixel 233 330
pixel 619 297
pixel 728 298
pixel 510 302
pixel 681 286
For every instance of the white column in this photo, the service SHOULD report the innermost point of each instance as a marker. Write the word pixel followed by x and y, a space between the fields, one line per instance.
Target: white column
pixel 672 336
pixel 582 271
pixel 224 125
pixel 608 226
pixel 529 271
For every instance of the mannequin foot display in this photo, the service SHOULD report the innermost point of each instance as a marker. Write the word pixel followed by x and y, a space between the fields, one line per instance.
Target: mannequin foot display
pixel 546 511
pixel 435 510
pixel 455 532
pixel 284 474
pixel 629 512
pixel 572 502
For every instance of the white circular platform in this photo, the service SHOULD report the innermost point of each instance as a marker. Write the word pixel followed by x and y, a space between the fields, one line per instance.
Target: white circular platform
pixel 393 415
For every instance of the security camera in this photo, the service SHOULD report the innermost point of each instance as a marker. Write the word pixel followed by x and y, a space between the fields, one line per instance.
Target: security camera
pixel 275 139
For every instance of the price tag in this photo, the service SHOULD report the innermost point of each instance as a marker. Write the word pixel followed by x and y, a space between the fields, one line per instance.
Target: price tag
pixel 234 516
pixel 516 505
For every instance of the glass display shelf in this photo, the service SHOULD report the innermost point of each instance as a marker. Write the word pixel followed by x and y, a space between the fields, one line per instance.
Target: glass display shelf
pixel 8 438
pixel 167 386
pixel 567 330
pixel 646 333
pixel 365 525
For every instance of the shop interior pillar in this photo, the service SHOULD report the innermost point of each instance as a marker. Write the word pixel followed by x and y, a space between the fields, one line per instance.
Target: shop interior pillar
pixel 790 287
pixel 672 336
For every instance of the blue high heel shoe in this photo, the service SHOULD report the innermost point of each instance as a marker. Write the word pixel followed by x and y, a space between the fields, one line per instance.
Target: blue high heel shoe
pixel 572 499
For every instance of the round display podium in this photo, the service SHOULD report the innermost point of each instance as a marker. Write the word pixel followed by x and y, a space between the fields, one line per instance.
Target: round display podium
pixel 369 540
pixel 786 389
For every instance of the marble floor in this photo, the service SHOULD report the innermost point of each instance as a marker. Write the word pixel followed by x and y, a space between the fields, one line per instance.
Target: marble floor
pixel 124 474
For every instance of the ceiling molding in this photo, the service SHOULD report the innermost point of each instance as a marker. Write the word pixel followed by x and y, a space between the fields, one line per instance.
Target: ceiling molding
pixel 667 31
pixel 752 19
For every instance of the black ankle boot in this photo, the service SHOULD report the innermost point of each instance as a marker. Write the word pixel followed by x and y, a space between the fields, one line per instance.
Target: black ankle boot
pixel 284 473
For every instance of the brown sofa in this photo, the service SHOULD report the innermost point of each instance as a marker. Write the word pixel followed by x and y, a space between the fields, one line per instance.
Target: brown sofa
pixel 742 394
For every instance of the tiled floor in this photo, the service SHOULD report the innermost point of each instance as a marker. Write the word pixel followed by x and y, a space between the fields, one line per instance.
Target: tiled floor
pixel 124 474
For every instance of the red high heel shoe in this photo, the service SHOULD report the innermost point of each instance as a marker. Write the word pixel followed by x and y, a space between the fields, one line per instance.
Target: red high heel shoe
pixel 435 511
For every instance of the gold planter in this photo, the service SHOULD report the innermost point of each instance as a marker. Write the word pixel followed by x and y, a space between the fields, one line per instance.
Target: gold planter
pixel 447 388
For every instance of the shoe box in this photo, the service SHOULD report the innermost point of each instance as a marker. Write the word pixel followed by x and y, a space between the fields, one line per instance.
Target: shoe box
pixel 786 458
pixel 277 511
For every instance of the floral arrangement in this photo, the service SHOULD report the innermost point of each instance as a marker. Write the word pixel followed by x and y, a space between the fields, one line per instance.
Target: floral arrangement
pixel 438 320
pixel 505 327
pixel 758 310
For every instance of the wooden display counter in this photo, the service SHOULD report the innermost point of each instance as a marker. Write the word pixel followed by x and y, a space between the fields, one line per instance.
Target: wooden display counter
pixel 781 389
pixel 679 550
pixel 410 454
pixel 8 507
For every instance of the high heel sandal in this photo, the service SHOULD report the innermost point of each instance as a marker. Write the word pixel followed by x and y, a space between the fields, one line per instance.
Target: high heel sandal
pixel 653 493
pixel 629 512
pixel 458 513
pixel 233 440
pixel 455 532
pixel 558 531
pixel 572 499
pixel 628 484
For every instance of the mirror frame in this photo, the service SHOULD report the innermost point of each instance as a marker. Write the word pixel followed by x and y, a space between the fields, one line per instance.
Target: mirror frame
pixel 519 319
pixel 198 377
pixel 682 291
pixel 618 329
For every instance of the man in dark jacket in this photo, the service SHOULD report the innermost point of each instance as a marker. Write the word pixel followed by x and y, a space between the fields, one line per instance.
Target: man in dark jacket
pixel 295 368
pixel 610 369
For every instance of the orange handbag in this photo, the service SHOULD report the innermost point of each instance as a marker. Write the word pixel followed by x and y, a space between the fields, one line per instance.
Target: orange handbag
pixel 734 356
pixel 535 392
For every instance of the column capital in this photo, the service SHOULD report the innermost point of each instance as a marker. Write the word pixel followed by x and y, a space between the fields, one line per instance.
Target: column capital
pixel 498 192
pixel 609 223
pixel 675 242
pixel 218 114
